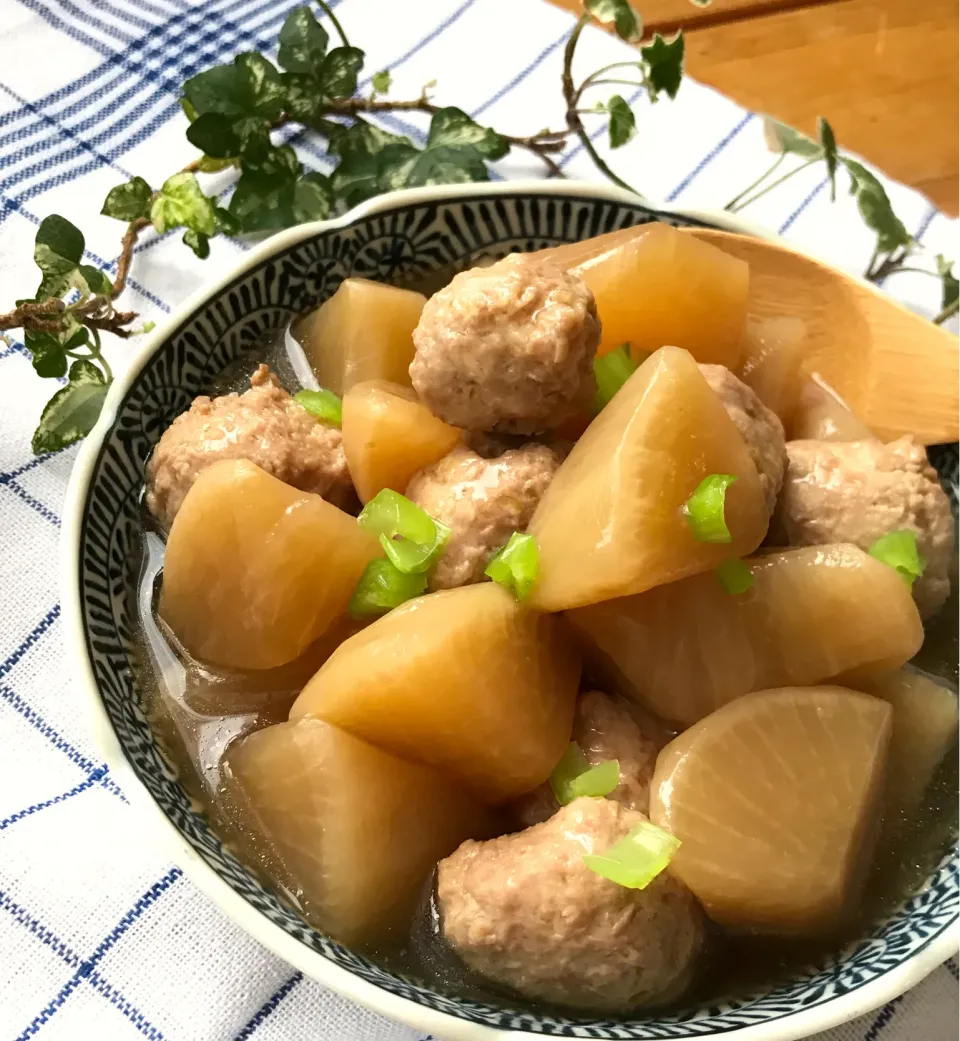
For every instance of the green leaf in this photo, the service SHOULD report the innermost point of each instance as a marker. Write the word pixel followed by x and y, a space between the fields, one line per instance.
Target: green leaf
pixel 303 95
pixel 735 577
pixel 312 198
pixel 611 371
pixel 704 509
pixel 381 81
pixel 72 412
pixel 57 251
pixel 198 242
pixel 188 110
pixel 206 164
pixel 951 287
pixel 363 139
pixel 382 587
pixel 411 538
pixel 356 178
pixel 781 138
pixel 402 166
pixel 266 91
pixel 214 135
pixel 181 203
pixel 875 208
pixel 898 549
pixel 338 73
pixel 128 201
pixel 636 860
pixel 264 196
pixel 618 12
pixel 664 60
pixel 96 280
pixel 220 89
pixel 516 566
pixel 303 41
pixel 623 124
pixel 829 145
pixel 323 404
pixel 452 126
pixel 226 223
pixel 47 352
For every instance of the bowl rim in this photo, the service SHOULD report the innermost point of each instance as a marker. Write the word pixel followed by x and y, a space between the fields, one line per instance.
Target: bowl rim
pixel 160 831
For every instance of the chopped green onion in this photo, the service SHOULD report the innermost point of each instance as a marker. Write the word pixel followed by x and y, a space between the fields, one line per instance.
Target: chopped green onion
pixel 323 404
pixel 573 776
pixel 382 587
pixel 899 550
pixel 735 577
pixel 704 509
pixel 612 370
pixel 411 538
pixel 516 566
pixel 637 859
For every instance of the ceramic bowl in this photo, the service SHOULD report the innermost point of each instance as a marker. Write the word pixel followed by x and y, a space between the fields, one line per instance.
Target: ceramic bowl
pixel 397 237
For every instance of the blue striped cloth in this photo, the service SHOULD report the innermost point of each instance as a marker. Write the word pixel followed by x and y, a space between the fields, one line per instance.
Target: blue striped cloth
pixel 99 937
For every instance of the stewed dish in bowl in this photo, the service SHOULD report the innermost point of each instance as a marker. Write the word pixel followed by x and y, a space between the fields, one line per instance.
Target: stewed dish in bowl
pixel 540 632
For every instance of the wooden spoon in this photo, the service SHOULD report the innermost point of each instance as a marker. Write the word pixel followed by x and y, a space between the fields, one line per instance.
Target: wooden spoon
pixel 899 373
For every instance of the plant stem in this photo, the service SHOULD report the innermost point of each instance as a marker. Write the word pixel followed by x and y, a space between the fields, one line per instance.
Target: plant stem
pixel 756 184
pixel 948 312
pixel 327 10
pixel 773 184
pixel 96 352
pixel 593 79
pixel 891 263
pixel 571 96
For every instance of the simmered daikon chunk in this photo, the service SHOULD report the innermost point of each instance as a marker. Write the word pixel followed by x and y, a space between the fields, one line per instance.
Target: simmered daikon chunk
pixel 352 832
pixel 255 570
pixel 772 361
pixel 363 332
pixel 388 436
pixel 813 614
pixel 612 523
pixel 924 730
pixel 822 415
pixel 466 680
pixel 655 285
pixel 775 799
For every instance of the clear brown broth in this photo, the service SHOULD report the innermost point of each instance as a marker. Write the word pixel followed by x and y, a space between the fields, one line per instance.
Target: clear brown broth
pixel 194 742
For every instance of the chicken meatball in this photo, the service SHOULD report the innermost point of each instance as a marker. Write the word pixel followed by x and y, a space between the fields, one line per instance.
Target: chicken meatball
pixel 264 425
pixel 856 491
pixel 524 911
pixel 760 428
pixel 604 728
pixel 508 347
pixel 483 502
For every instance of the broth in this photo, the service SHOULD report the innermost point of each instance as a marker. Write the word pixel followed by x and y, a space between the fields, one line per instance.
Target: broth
pixel 180 698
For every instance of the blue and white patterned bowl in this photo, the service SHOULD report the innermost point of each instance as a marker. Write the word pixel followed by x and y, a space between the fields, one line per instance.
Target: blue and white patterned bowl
pixel 402 236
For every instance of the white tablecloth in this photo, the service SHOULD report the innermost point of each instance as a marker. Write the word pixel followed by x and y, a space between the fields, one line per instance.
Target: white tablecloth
pixel 100 937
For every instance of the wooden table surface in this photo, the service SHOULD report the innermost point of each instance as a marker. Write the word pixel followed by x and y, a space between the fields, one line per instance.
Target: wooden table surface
pixel 884 72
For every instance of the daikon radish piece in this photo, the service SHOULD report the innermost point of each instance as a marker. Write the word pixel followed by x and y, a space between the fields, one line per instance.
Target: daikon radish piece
pixel 772 362
pixel 466 680
pixel 363 332
pixel 611 522
pixel 822 415
pixel 388 435
pixel 656 286
pixel 813 614
pixel 351 831
pixel 775 799
pixel 924 730
pixel 256 570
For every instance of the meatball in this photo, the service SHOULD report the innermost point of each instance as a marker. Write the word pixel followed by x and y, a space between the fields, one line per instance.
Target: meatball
pixel 264 425
pixel 507 348
pixel 760 428
pixel 604 728
pixel 482 501
pixel 856 491
pixel 524 911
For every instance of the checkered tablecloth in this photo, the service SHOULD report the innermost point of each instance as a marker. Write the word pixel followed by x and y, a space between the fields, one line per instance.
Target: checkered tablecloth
pixel 100 938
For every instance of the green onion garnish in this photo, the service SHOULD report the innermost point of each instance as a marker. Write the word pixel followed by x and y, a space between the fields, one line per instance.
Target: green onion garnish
pixel 899 550
pixel 611 372
pixel 411 538
pixel 637 859
pixel 735 577
pixel 323 404
pixel 516 566
pixel 704 509
pixel 382 587
pixel 573 776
